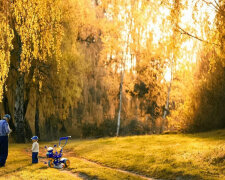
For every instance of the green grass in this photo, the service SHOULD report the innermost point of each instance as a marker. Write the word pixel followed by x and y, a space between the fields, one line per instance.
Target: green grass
pixel 194 156
pixel 191 156
pixel 19 166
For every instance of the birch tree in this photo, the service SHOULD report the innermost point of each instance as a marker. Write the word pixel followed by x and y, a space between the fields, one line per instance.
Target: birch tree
pixel 174 44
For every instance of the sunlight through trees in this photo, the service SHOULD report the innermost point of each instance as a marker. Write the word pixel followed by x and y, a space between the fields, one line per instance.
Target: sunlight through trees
pixel 108 67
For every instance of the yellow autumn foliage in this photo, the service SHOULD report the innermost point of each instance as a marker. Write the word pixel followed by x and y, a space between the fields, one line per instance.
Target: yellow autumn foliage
pixel 38 23
pixel 6 36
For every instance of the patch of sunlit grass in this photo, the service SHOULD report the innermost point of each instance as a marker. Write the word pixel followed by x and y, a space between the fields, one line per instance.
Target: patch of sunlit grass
pixel 39 171
pixel 19 166
pixel 191 156
pixel 195 156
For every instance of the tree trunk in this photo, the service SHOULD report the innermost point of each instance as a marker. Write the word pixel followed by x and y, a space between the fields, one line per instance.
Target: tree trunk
pixel 5 102
pixel 120 105
pixel 7 110
pixel 167 101
pixel 27 90
pixel 37 132
pixel 123 62
pixel 19 101
pixel 18 113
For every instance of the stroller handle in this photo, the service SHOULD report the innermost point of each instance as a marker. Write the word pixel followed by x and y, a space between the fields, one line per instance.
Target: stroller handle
pixel 64 138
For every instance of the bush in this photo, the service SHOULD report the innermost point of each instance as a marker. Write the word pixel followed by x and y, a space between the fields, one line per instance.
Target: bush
pixel 108 128
pixel 134 127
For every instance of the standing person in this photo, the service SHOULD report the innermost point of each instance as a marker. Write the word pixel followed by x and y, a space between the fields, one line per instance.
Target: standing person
pixel 4 133
pixel 35 149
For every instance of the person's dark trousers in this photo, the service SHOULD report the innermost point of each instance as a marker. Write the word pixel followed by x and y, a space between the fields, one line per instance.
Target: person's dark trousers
pixel 3 150
pixel 34 157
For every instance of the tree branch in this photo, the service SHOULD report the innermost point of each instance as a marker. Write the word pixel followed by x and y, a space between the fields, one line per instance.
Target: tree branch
pixel 217 7
pixel 182 31
pixel 217 4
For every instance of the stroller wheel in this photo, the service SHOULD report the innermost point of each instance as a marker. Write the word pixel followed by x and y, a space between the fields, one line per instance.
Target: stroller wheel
pixel 67 162
pixel 50 163
pixel 63 165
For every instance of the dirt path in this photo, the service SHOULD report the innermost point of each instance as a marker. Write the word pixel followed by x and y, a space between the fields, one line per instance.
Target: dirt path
pixel 72 154
pixel 76 175
pixel 116 169
pixel 42 159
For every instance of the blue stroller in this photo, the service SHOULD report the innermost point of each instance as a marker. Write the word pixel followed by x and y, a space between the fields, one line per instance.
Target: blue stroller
pixel 55 154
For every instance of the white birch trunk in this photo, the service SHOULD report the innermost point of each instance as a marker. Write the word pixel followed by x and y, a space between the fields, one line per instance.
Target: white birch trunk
pixel 123 62
pixel 120 105
pixel 167 101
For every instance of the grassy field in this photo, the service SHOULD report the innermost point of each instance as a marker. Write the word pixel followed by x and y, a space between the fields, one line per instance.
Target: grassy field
pixel 192 156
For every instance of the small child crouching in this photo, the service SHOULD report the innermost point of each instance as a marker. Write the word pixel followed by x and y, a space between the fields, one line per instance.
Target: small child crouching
pixel 35 149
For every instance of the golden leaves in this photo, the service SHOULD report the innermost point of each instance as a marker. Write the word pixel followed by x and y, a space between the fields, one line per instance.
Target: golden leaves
pixel 39 25
pixel 6 36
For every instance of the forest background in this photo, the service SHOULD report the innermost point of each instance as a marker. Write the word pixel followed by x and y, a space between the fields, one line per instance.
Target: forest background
pixel 94 68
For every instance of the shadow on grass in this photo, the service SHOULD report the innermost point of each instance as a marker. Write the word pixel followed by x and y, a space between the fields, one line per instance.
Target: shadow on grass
pixel 82 175
pixel 210 135
pixel 188 177
pixel 44 167
pixel 87 177
pixel 15 170
pixel 16 161
pixel 180 175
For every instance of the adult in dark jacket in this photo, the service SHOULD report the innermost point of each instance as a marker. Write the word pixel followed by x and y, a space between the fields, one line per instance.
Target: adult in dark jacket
pixel 4 135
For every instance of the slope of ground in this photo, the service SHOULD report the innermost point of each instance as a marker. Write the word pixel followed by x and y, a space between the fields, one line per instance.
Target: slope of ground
pixel 193 156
